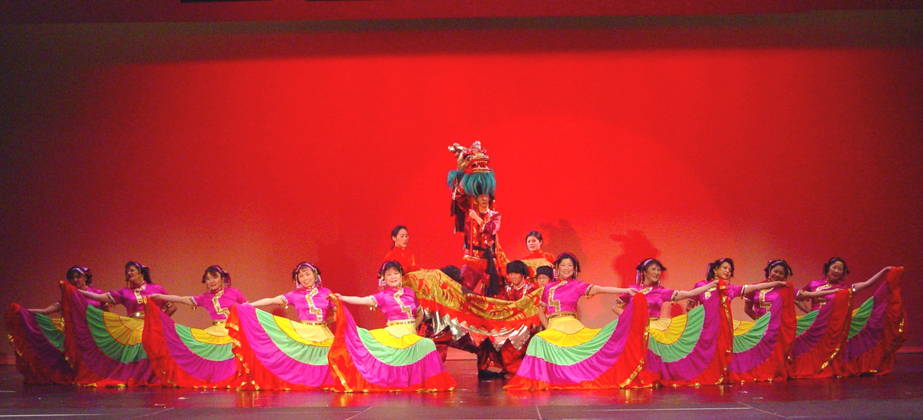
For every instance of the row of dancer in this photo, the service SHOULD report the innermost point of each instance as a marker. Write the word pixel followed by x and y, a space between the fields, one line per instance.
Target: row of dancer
pixel 244 348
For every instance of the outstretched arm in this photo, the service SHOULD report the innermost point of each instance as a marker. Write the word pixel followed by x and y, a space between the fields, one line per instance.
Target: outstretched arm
pixel 684 294
pixel 763 285
pixel 54 307
pixel 355 300
pixel 104 298
pixel 858 287
pixel 603 290
pixel 802 295
pixel 186 300
pixel 268 301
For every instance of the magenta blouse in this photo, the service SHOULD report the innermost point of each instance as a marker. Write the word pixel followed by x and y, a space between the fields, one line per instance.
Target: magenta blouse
pixel 561 296
pixel 133 299
pixel 734 290
pixel 312 304
pixel 761 300
pixel 821 285
pixel 218 303
pixel 398 304
pixel 656 296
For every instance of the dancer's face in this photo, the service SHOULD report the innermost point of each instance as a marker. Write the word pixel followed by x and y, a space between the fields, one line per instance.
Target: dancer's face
pixel 516 278
pixel 213 281
pixel 133 276
pixel 483 201
pixel 78 280
pixel 306 278
pixel 542 279
pixel 393 277
pixel 777 273
pixel 533 244
pixel 723 271
pixel 836 271
pixel 401 239
pixel 652 274
pixel 566 269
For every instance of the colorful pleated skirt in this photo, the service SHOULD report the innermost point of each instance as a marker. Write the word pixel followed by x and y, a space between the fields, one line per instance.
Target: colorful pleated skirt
pixel 188 357
pixel 277 353
pixel 38 343
pixel 568 355
pixel 390 359
pixel 692 349
pixel 876 330
pixel 104 349
pixel 761 347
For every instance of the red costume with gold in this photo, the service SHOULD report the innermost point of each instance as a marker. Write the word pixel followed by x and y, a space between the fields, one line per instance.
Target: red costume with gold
pixel 403 256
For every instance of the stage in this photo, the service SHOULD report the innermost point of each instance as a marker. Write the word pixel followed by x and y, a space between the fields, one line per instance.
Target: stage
pixel 893 396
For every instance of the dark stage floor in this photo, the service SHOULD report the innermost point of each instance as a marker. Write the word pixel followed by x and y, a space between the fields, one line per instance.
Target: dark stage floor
pixel 895 396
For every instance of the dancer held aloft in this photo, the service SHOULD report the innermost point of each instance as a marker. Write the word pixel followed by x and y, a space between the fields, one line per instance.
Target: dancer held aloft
pixel 38 340
pixel 568 355
pixel 724 269
pixel 473 190
pixel 104 348
pixel 394 358
pixel 761 347
pixel 536 258
pixel 400 237
pixel 659 299
pixel 278 353
pixel 195 358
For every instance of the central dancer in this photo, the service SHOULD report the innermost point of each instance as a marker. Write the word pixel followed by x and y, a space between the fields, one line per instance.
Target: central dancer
pixel 394 358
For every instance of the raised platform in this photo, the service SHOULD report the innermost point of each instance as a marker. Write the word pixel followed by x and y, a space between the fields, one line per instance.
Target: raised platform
pixel 895 396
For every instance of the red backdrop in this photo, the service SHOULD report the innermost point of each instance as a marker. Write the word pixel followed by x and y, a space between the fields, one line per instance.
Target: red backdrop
pixel 259 145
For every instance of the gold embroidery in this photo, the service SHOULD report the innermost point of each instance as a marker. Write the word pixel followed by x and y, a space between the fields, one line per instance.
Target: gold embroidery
pixel 761 300
pixel 556 304
pixel 141 299
pixel 405 309
pixel 311 308
pixel 218 308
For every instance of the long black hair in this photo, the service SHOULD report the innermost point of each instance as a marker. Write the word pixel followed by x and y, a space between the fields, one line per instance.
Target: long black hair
pixel 302 265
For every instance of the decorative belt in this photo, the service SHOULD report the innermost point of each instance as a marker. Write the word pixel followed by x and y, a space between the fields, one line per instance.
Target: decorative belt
pixel 401 322
pixel 136 315
pixel 560 314
pixel 472 258
pixel 218 323
pixel 313 322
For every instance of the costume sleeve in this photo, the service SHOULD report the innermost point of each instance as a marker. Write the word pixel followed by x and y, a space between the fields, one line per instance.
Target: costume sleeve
pixel 735 290
pixel 581 288
pixel 240 298
pixel 200 300
pixel 117 296
pixel 492 224
pixel 288 298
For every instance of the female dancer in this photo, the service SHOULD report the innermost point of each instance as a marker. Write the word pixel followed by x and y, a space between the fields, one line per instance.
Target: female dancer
pixel 761 347
pixel 820 292
pixel 277 353
pixel 832 341
pixel 568 355
pixel 38 340
pixel 186 357
pixel 104 348
pixel 400 237
pixel 724 269
pixel 391 359
pixel 536 258
pixel 689 349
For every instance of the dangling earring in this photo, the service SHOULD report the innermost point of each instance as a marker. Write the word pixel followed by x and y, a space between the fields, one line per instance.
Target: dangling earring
pixel 381 282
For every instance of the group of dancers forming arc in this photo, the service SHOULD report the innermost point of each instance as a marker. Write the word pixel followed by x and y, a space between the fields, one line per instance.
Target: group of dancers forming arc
pixel 519 316
pixel 248 348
